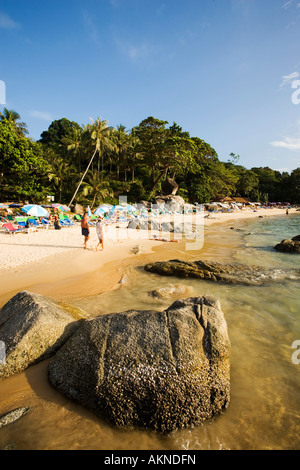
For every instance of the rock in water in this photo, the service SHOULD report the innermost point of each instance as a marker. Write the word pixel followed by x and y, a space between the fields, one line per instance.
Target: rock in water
pixel 171 291
pixel 148 369
pixel 12 416
pixel 32 328
pixel 289 246
pixel 217 272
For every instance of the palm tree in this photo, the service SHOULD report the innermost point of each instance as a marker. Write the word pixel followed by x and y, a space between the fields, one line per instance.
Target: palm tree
pixel 97 187
pixel 75 143
pixel 100 135
pixel 134 155
pixel 121 141
pixel 12 117
pixel 60 172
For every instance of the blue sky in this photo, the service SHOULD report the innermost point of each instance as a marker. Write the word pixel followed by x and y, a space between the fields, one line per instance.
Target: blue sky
pixel 227 71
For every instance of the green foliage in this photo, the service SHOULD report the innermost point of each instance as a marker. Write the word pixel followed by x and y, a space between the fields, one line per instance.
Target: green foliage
pixel 96 163
pixel 23 168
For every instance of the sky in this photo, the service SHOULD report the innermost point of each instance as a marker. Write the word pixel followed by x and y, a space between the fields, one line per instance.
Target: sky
pixel 226 71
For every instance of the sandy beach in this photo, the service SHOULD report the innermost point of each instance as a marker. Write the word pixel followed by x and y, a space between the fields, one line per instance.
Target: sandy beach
pixel 56 258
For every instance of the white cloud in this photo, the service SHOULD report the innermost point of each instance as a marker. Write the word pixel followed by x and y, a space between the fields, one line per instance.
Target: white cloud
pixel 91 28
pixel 286 79
pixel 136 52
pixel 288 4
pixel 41 115
pixel 6 22
pixel 289 143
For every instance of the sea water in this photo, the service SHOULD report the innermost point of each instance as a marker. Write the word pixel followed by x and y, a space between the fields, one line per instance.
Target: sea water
pixel 263 325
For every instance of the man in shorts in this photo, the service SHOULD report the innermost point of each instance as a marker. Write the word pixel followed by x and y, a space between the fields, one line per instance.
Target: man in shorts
pixel 85 229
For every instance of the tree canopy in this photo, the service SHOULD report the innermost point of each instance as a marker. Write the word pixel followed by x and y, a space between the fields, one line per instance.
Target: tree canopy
pixel 94 163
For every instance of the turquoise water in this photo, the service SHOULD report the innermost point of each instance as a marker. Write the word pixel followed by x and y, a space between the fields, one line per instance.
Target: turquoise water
pixel 263 322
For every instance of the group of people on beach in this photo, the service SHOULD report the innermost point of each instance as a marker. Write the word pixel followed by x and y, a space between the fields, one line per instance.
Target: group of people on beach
pixel 85 230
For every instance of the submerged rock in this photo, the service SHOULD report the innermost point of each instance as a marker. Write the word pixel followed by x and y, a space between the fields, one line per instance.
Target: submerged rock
pixel 12 416
pixel 225 273
pixel 173 290
pixel 289 246
pixel 32 328
pixel 148 369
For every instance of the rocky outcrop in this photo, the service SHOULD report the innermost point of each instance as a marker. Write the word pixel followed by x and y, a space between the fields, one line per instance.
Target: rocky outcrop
pixel 225 273
pixel 289 246
pixel 33 328
pixel 148 369
pixel 170 203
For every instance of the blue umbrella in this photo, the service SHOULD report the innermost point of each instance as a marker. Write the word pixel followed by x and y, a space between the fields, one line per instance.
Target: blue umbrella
pixel 35 210
pixel 99 211
pixel 117 208
pixel 102 209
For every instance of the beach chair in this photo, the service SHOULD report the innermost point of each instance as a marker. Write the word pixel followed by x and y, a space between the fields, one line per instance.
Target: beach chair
pixel 66 222
pixel 11 229
pixel 69 221
pixel 45 223
pixel 34 223
pixel 21 224
pixel 77 217
pixel 3 220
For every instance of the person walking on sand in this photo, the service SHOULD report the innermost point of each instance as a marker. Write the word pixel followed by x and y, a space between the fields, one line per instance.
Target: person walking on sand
pixel 85 230
pixel 99 230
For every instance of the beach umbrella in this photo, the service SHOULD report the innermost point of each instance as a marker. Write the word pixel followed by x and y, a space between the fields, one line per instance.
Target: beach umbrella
pixel 61 207
pixel 99 211
pixel 130 208
pixel 3 206
pixel 35 210
pixel 102 209
pixel 89 212
pixel 117 208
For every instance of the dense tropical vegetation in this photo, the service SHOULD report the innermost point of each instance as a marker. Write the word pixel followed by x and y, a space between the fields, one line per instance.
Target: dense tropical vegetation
pixel 95 163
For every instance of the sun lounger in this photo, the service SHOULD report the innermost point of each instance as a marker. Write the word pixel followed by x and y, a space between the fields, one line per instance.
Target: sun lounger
pixel 46 223
pixel 62 223
pixel 11 229
pixel 69 222
pixel 34 223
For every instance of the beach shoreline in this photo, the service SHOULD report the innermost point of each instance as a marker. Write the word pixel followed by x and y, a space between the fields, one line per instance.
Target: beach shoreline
pixel 54 262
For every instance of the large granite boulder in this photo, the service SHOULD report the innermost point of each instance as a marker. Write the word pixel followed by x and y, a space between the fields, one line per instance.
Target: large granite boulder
pixel 32 328
pixel 170 203
pixel 289 246
pixel 148 369
pixel 217 272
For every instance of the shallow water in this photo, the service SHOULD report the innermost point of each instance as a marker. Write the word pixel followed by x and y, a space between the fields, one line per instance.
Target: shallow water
pixel 263 322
